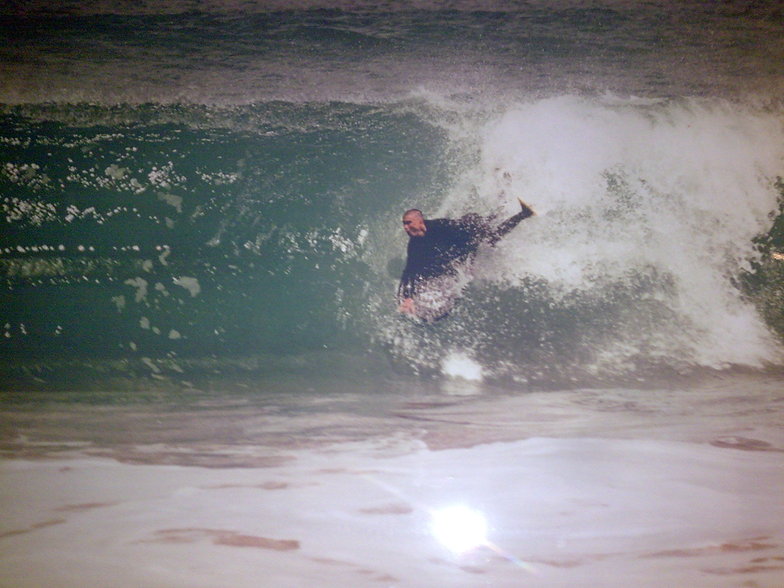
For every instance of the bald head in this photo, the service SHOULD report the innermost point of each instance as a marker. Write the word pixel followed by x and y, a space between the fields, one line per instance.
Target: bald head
pixel 414 223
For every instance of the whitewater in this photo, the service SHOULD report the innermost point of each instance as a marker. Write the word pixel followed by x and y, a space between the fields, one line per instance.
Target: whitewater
pixel 204 378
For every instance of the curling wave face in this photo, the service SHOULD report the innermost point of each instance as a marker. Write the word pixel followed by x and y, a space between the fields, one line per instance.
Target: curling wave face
pixel 168 237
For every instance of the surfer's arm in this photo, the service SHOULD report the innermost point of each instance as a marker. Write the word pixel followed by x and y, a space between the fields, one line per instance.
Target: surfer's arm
pixel 406 288
pixel 405 294
pixel 412 272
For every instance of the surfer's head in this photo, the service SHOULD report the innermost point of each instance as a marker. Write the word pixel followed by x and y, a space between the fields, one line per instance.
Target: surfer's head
pixel 414 223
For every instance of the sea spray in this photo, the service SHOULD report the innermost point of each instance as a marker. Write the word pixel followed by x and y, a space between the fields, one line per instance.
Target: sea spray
pixel 677 188
pixel 647 211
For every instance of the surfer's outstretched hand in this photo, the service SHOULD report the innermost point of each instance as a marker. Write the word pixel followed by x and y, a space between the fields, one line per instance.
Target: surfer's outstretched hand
pixel 407 306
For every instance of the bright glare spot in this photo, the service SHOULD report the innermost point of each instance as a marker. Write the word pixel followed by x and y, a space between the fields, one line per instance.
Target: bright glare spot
pixel 459 528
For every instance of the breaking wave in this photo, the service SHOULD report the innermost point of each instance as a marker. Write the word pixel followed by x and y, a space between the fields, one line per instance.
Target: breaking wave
pixel 178 238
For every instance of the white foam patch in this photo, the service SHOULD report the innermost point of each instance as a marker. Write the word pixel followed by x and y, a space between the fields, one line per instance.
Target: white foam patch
pixel 460 365
pixel 172 200
pixel 190 284
pixel 141 288
pixel 116 172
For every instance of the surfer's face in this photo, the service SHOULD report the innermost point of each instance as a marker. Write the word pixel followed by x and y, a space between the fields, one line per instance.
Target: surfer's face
pixel 414 225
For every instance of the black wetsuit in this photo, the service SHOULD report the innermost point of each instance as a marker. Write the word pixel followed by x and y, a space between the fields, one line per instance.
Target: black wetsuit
pixel 448 243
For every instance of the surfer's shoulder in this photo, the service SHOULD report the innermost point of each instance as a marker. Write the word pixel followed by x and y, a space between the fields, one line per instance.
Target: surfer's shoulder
pixel 438 226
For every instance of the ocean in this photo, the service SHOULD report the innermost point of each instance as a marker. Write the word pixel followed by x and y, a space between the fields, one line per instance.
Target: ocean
pixel 201 206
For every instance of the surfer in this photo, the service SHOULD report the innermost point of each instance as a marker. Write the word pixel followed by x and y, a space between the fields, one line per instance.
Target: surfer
pixel 437 248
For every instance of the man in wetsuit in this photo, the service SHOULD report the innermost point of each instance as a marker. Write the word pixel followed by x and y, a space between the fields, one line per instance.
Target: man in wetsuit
pixel 438 247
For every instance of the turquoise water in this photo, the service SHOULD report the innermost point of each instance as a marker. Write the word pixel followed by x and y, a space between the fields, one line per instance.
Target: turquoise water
pixel 192 197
